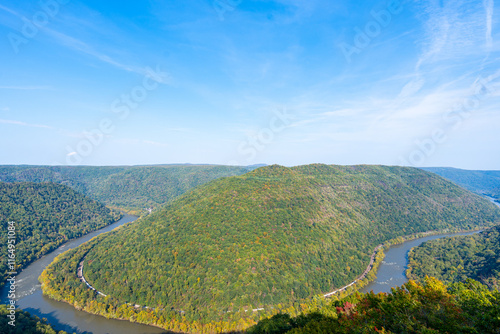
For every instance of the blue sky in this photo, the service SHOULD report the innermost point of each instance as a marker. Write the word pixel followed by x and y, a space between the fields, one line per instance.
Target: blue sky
pixel 242 82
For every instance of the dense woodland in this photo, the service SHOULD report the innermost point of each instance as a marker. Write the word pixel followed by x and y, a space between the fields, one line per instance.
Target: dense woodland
pixel 482 182
pixel 130 188
pixel 271 239
pixel 414 308
pixel 45 215
pixel 25 323
pixel 456 259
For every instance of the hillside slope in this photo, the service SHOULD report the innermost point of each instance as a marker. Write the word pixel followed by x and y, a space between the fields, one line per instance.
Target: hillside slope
pixel 273 236
pixel 126 187
pixel 428 307
pixel 44 215
pixel 456 259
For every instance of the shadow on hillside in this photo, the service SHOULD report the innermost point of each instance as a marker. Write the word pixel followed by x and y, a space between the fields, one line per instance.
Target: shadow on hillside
pixel 53 321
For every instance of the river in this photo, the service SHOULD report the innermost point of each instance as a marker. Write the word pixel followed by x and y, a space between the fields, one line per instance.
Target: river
pixel 63 316
pixel 392 270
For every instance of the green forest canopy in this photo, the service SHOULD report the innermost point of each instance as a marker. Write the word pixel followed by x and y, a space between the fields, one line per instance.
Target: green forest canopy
pixel 414 308
pixel 126 187
pixel 45 215
pixel 274 236
pixel 456 259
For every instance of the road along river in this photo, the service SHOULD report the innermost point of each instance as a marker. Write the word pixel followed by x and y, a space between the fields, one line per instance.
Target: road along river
pixel 63 316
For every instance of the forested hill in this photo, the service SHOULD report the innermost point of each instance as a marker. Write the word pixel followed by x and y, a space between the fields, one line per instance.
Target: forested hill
pixel 414 308
pixel 25 323
pixel 44 215
pixel 126 187
pixel 456 259
pixel 479 181
pixel 273 236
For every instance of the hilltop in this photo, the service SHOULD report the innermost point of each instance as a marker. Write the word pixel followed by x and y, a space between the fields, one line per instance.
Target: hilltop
pixel 271 238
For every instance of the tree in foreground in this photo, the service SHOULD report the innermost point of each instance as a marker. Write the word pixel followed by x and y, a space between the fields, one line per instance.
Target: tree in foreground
pixel 429 307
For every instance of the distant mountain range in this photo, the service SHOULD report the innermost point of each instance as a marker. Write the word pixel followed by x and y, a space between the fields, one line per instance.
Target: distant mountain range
pixel 124 187
pixel 481 182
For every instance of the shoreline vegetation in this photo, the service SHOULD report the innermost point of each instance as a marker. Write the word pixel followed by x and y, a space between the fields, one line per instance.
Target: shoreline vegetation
pixel 45 216
pixel 290 235
pixel 451 261
pixel 97 303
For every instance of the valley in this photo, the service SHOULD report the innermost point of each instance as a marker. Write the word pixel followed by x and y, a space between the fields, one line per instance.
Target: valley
pixel 176 260
pixel 170 268
pixel 43 216
pixel 129 188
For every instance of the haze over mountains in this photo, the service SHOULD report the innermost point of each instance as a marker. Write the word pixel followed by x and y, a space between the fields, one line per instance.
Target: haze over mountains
pixel 482 182
pixel 124 187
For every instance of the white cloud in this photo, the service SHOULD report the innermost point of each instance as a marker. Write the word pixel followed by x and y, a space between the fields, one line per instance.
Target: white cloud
pixel 14 122
pixel 11 11
pixel 489 7
pixel 412 87
pixel 154 143
pixel 78 45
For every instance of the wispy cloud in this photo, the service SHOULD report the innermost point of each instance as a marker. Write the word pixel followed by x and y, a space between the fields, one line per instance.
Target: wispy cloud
pixel 14 122
pixel 80 46
pixel 154 143
pixel 26 87
pixel 10 11
pixel 139 142
pixel 489 7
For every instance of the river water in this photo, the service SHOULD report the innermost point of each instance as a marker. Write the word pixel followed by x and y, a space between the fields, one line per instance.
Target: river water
pixel 63 316
pixel 392 271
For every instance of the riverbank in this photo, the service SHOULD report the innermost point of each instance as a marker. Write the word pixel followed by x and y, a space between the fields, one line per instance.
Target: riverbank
pixel 378 256
pixel 108 307
pixel 61 315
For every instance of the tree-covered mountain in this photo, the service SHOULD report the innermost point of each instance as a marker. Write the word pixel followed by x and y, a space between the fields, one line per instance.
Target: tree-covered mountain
pixel 38 217
pixel 478 181
pixel 125 187
pixel 266 239
pixel 456 259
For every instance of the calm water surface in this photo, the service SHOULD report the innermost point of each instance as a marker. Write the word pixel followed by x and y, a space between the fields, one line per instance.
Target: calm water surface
pixel 392 271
